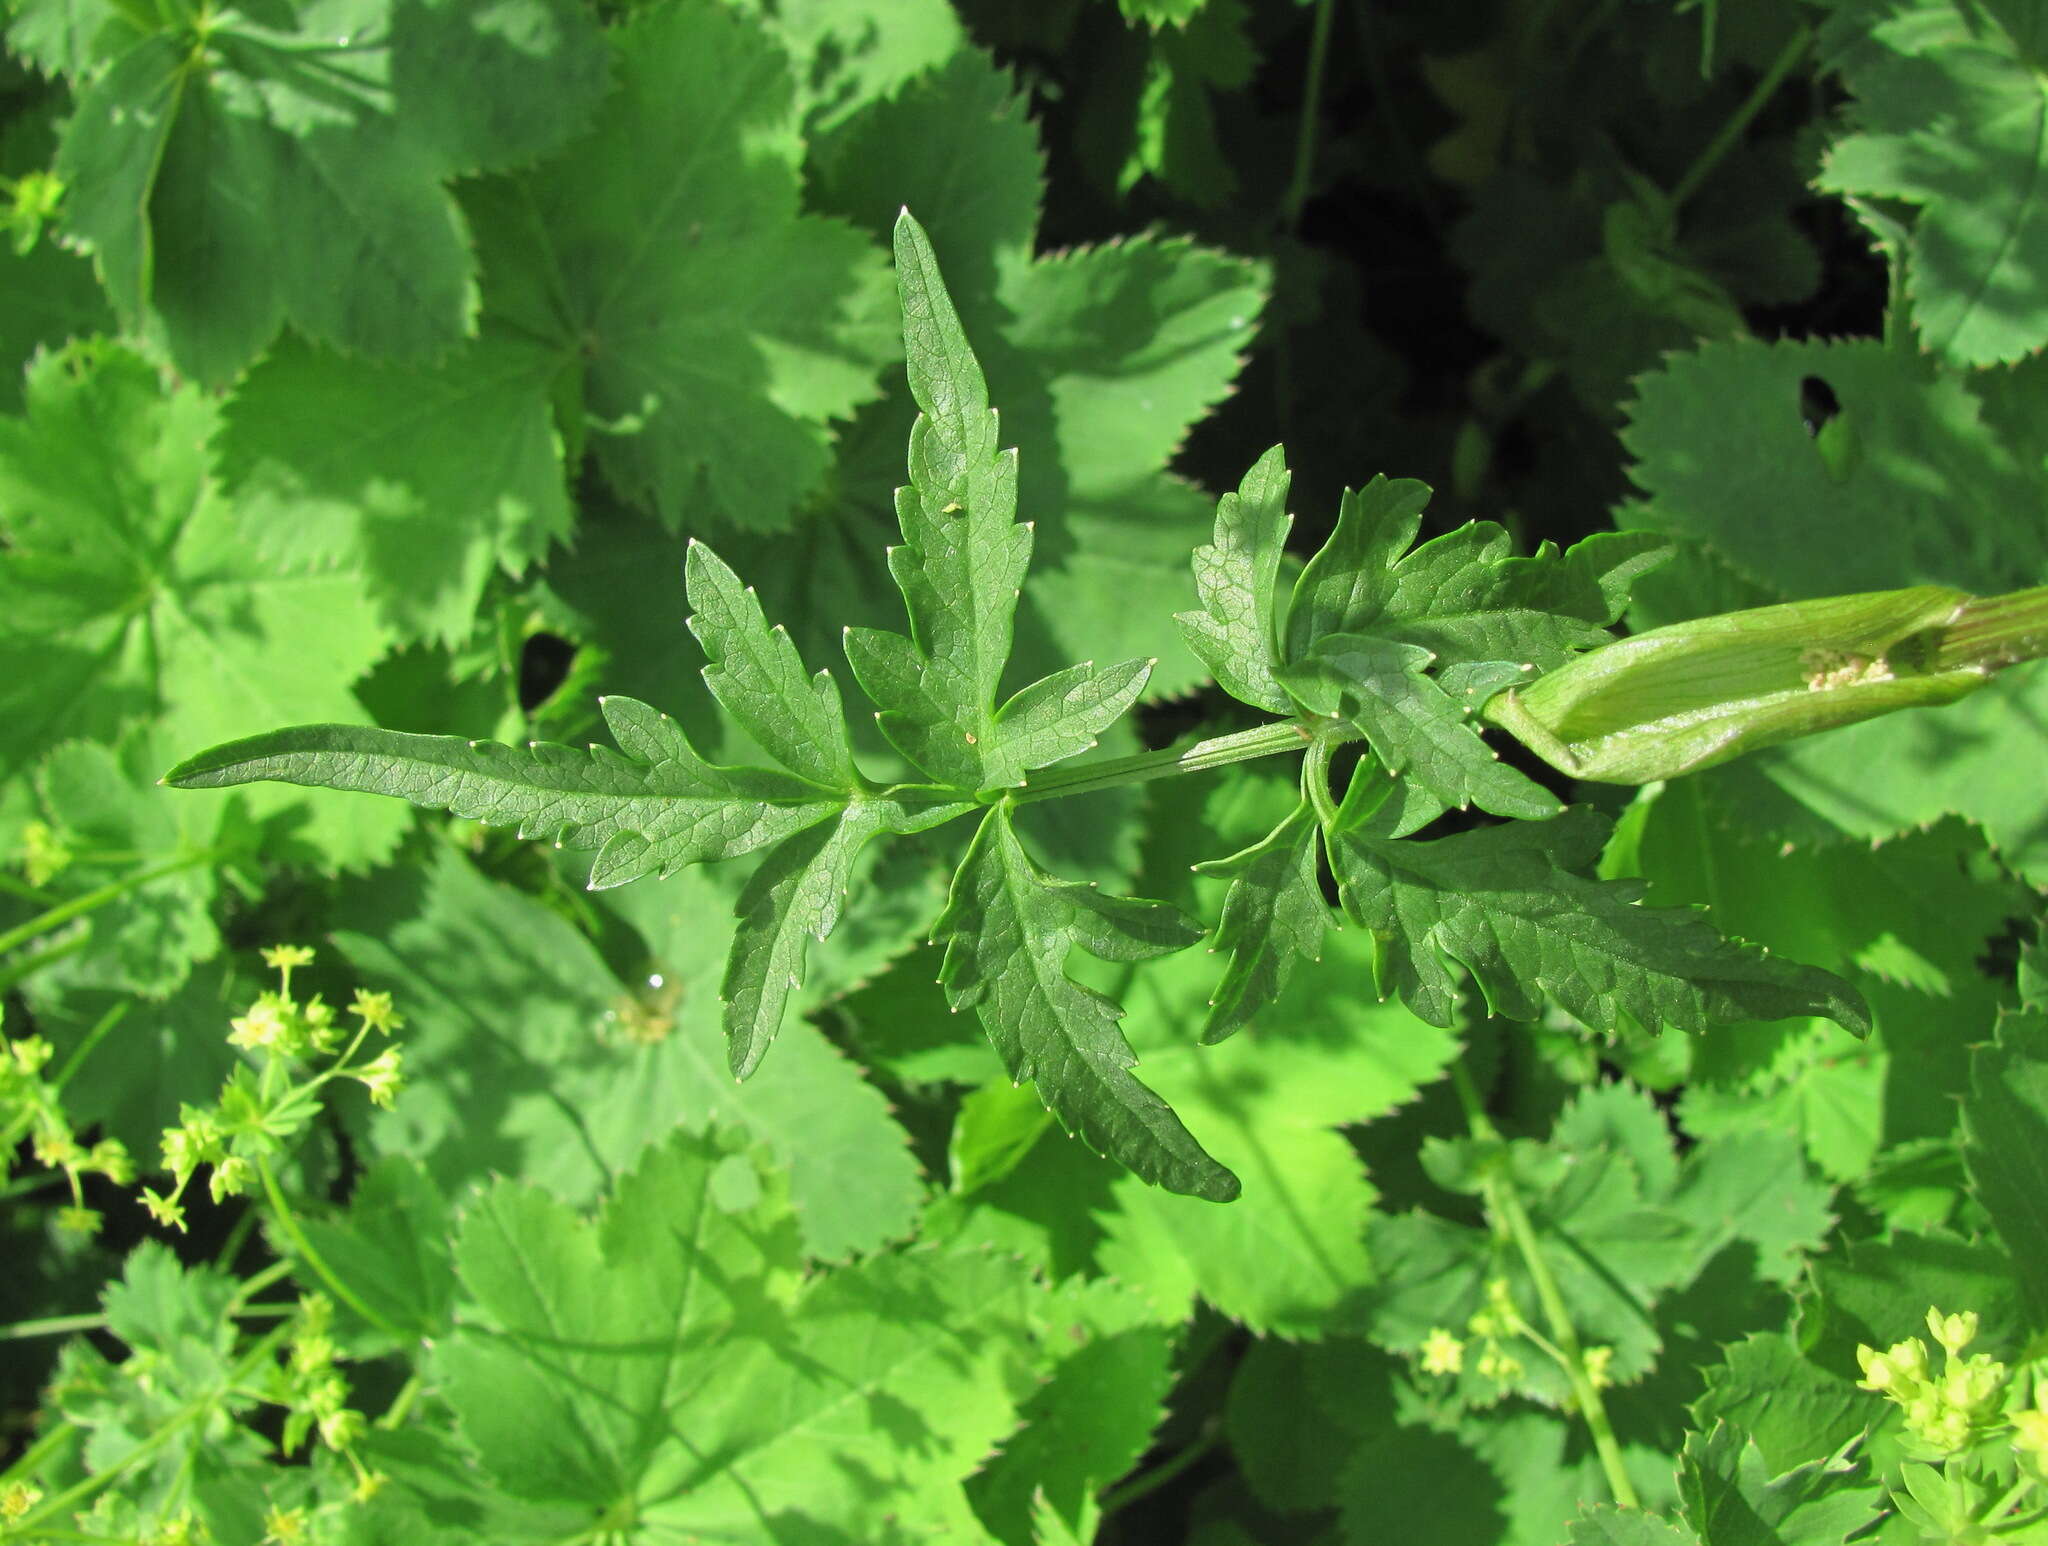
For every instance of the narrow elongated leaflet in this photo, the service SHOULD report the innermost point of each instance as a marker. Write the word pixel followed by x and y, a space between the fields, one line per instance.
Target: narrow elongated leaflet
pixel 1235 632
pixel 755 673
pixel 1273 914
pixel 651 811
pixel 1007 929
pixel 794 897
pixel 963 555
pixel 1061 715
pixel 1344 587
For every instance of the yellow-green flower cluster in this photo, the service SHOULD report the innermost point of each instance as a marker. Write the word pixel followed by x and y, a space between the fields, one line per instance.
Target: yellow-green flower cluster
pixel 1443 1351
pixel 263 1104
pixel 16 1499
pixel 30 1108
pixel 1950 1411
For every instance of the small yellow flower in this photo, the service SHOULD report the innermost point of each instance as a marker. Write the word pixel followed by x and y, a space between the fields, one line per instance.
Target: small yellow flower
pixel 382 1077
pixel 1953 1332
pixel 1598 1363
pixel 376 1012
pixel 284 1526
pixel 2030 1429
pixel 338 1430
pixel 232 1176
pixel 55 1149
pixel 110 1158
pixel 284 957
pixel 75 1220
pixel 16 1499
pixel 1500 1367
pixel 263 1026
pixel 165 1210
pixel 1442 1353
pixel 1897 1371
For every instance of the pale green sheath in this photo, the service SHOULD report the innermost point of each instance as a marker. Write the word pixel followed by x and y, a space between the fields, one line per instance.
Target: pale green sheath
pixel 1677 699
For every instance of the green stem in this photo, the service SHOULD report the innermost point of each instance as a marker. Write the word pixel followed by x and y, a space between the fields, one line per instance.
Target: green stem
pixel 1991 632
pixel 100 1027
pixel 1506 1205
pixel 254 1284
pixel 1704 163
pixel 288 1221
pixel 401 1404
pixel 64 912
pixel 158 1437
pixel 64 1325
pixel 1151 1481
pixel 21 970
pixel 1270 740
pixel 1311 110
pixel 47 1442
pixel 1315 782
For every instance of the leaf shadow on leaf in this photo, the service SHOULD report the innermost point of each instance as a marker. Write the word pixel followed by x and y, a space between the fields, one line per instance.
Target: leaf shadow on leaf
pixel 1723 1304
pixel 475 1071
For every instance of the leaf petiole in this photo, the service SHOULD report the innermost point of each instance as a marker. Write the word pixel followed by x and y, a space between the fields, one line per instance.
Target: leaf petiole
pixel 1269 740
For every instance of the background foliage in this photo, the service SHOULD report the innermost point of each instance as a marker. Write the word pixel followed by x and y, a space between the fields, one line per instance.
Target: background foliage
pixel 378 361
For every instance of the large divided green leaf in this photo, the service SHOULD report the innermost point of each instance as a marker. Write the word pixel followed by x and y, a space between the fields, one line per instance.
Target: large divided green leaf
pixel 1949 116
pixel 129 594
pixel 650 811
pixel 667 1368
pixel 287 162
pixel 1513 906
pixel 1007 929
pixel 706 329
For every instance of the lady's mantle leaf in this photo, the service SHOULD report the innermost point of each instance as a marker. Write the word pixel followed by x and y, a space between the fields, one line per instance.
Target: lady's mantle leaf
pixel 671 1359
pixel 1951 117
pixel 706 328
pixel 288 163
pixel 568 1091
pixel 128 592
pixel 1007 929
pixel 1509 905
pixel 432 478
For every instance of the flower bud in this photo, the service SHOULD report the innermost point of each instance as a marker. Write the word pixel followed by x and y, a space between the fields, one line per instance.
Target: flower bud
pixel 1677 699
